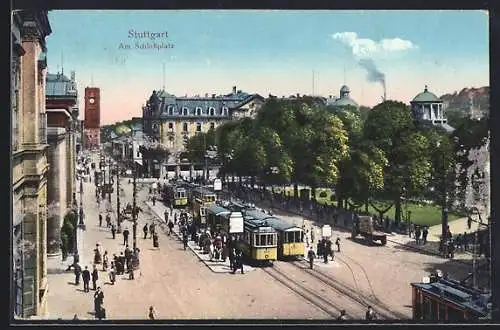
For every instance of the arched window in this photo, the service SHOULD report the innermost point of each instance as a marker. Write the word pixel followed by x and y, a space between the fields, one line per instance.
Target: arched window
pixel 170 127
pixel 185 127
pixel 185 111
pixel 198 111
pixel 225 111
pixel 211 111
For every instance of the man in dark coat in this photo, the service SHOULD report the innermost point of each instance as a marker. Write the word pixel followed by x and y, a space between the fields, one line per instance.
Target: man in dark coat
pixel 113 230
pixel 311 255
pixel 100 220
pixel 145 230
pixel 170 227
pixel 238 262
pixel 125 236
pixel 151 230
pixel 78 272
pixel 86 279
pixel 425 232
pixel 95 277
pixel 165 214
pixel 98 301
pixel 185 240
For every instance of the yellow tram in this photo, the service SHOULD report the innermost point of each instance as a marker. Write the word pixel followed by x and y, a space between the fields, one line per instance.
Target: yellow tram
pixel 290 237
pixel 259 241
pixel 175 195
pixel 437 299
pixel 201 198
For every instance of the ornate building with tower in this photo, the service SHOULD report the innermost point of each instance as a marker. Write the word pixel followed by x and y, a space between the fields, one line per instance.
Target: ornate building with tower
pixel 171 120
pixel 30 167
pixel 92 123
pixel 428 110
pixel 62 121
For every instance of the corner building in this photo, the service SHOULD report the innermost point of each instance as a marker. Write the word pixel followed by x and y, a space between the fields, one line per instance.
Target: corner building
pixel 29 28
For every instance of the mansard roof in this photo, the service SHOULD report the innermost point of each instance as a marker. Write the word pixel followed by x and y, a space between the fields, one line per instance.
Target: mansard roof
pixel 60 86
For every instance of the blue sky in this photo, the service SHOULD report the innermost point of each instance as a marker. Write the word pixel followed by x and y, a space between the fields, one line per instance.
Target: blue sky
pixel 269 52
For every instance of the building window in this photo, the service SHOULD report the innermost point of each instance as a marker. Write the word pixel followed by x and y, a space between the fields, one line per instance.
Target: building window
pixel 211 111
pixel 198 127
pixel 198 111
pixel 170 110
pixel 205 112
pixel 212 126
pixel 185 127
pixel 170 127
pixel 225 111
pixel 184 111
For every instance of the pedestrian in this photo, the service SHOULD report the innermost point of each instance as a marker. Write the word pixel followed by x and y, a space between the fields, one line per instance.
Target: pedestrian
pixel 95 277
pixel 100 220
pixel 185 240
pixel 170 227
pixel 342 316
pixel 417 235
pixel 78 272
pixel 86 279
pixel 238 262
pixel 152 313
pixel 155 241
pixel 165 214
pixel 465 241
pixel 105 261
pixel 337 242
pixel 411 229
pixel 125 236
pixel 312 235
pixel 98 300
pixel 154 200
pixel 113 230
pixel 130 273
pixel 425 232
pixel 325 251
pixel 151 230
pixel 311 255
pixel 112 273
pixel 370 314
pixel 145 230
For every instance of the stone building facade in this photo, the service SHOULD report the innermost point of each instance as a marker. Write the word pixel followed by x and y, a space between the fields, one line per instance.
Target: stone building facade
pixel 29 28
pixel 62 120
pixel 171 120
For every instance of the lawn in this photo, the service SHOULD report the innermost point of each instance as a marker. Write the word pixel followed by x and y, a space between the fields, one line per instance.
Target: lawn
pixel 425 215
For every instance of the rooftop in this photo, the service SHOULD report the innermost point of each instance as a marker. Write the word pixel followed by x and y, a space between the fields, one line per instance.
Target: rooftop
pixel 426 96
pixel 60 86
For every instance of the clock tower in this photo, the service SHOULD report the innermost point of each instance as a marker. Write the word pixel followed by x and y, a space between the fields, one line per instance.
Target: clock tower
pixel 92 120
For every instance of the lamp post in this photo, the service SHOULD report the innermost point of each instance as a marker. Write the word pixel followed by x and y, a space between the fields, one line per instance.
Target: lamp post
pixel 80 212
pixel 118 217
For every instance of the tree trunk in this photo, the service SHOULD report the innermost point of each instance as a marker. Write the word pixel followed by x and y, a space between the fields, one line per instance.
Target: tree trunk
pixel 398 211
pixel 366 207
pixel 313 193
pixel 295 190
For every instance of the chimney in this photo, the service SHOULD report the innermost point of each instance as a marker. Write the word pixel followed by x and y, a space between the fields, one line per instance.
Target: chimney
pixel 213 96
pixel 234 89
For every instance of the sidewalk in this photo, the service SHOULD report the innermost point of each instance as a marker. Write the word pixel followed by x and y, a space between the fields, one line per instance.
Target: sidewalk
pixel 214 266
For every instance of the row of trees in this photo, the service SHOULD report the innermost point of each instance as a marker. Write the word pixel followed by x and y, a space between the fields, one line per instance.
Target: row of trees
pixel 375 158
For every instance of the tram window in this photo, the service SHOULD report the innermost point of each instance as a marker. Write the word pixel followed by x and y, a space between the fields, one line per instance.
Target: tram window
pixel 298 237
pixel 428 314
pixel 269 240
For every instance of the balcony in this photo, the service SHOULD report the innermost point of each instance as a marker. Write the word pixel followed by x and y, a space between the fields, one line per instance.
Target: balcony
pixel 42 128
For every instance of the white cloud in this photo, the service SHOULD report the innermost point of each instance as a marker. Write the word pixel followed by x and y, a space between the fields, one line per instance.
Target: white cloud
pixel 364 47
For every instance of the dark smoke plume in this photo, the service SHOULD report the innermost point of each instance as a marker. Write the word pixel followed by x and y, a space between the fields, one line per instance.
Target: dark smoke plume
pixel 374 75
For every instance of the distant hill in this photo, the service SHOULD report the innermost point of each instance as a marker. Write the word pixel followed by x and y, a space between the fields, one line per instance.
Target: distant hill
pixel 460 101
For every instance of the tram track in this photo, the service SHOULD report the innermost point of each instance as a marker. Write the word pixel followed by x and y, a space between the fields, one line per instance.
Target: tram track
pixel 309 295
pixel 353 294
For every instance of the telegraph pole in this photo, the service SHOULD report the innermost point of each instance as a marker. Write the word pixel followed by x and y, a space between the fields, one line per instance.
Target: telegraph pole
pixel 134 206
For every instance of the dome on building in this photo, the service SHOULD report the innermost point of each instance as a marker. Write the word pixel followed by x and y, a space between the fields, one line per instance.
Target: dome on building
pixel 344 99
pixel 426 96
pixel 344 89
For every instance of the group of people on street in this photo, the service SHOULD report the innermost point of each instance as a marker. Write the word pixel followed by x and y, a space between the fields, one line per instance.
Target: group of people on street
pixel 419 233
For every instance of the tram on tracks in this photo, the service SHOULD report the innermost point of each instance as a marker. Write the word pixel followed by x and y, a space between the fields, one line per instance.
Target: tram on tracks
pixel 260 241
pixel 444 300
pixel 201 199
pixel 223 221
pixel 290 244
pixel 175 194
